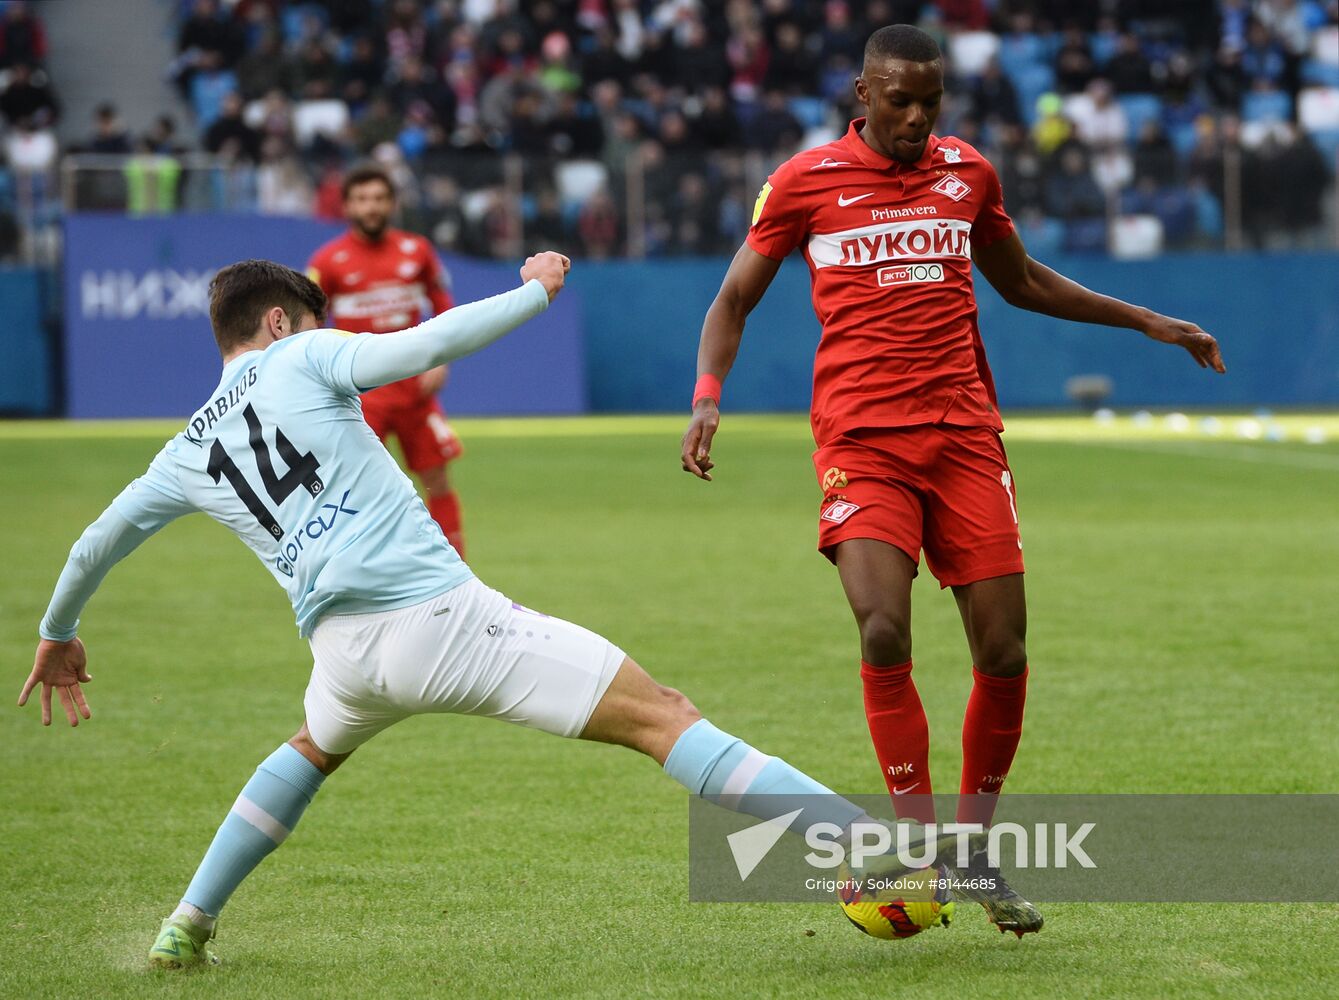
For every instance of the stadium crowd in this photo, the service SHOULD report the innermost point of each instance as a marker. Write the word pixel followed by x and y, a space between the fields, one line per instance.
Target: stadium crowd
pixel 647 125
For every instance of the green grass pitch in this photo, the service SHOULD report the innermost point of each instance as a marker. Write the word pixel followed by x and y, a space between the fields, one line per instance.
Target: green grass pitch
pixel 1182 595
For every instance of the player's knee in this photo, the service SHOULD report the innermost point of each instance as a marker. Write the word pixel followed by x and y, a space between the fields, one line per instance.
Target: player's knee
pixel 678 709
pixel 1002 656
pixel 322 761
pixel 885 638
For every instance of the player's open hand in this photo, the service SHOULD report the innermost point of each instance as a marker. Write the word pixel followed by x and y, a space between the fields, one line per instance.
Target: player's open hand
pixel 696 453
pixel 1202 346
pixel 549 268
pixel 63 666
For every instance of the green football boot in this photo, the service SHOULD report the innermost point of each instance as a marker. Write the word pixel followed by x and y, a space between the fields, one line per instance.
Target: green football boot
pixel 181 945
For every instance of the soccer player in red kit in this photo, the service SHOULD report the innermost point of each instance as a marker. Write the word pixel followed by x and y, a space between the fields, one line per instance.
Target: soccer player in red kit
pixel 890 219
pixel 378 280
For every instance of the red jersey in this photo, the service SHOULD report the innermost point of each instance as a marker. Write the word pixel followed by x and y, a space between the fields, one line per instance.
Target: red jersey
pixel 889 248
pixel 381 286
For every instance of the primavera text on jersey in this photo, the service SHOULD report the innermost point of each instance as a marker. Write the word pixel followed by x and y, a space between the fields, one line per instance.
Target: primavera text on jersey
pixel 889 249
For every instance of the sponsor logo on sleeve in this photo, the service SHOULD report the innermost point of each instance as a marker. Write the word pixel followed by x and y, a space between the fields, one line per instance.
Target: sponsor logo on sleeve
pixel 762 200
pixel 834 479
pixel 952 154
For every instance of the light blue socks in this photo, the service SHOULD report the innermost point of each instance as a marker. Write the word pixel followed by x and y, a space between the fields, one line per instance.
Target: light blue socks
pixel 263 815
pixel 729 772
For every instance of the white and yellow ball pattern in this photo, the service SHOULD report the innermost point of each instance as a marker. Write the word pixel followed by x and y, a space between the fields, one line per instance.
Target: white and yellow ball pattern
pixel 912 903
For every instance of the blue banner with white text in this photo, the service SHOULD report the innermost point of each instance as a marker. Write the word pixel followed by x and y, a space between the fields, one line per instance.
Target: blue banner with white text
pixel 137 337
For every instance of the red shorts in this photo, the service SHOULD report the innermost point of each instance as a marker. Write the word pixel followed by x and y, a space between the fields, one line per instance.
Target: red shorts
pixel 946 489
pixel 420 425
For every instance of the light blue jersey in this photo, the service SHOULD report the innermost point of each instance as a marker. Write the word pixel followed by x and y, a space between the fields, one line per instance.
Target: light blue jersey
pixel 280 454
pixel 282 457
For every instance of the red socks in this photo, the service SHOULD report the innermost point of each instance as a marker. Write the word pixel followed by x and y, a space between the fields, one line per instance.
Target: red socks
pixel 901 738
pixel 445 510
pixel 990 732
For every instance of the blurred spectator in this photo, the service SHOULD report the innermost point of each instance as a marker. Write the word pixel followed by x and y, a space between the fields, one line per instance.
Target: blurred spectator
pixel 716 125
pixel 267 67
pixel 747 54
pixel 775 129
pixel 1155 160
pixel 209 39
pixel 317 73
pixel 22 36
pixel 572 132
pixel 1051 128
pixel 1129 69
pixel 380 123
pixel 1071 192
pixel 1021 170
pixel 1227 78
pixel 790 69
pixel 993 96
pixel 1073 62
pixel 598 226
pixel 414 82
pixel 230 136
pixel 283 187
pixel 161 139
pixel 557 72
pixel 1262 59
pixel 699 62
pixel 1098 120
pixel 109 132
pixel 28 98
pixel 363 72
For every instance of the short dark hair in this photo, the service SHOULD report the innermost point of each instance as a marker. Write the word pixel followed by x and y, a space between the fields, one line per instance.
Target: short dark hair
pixel 902 41
pixel 242 293
pixel 364 173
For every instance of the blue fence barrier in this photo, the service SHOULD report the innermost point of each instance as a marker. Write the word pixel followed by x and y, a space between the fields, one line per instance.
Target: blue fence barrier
pixel 1277 317
pixel 137 339
pixel 25 351
pixel 624 338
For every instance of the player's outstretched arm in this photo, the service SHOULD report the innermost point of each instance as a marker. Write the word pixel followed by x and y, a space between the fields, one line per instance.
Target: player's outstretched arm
pixel 1025 283
pixel 748 277
pixel 390 357
pixel 62 666
pixel 61 662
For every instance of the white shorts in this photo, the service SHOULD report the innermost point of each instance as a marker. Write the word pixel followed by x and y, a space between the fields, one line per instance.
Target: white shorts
pixel 470 651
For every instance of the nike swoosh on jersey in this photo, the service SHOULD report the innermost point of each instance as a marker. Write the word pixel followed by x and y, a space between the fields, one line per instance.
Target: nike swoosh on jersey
pixel 843 201
pixel 903 791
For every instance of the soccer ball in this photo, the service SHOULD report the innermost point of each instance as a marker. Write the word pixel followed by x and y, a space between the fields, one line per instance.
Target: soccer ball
pixel 897 907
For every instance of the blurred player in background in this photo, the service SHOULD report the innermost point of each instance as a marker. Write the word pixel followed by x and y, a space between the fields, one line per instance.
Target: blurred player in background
pixel 379 280
pixel 891 219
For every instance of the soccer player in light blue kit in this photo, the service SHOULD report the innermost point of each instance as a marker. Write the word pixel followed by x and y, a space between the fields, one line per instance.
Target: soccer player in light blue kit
pixel 398 624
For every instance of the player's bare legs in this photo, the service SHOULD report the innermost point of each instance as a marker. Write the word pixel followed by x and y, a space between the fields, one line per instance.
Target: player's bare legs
pixel 994 616
pixel 638 713
pixel 877 579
